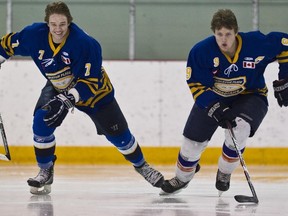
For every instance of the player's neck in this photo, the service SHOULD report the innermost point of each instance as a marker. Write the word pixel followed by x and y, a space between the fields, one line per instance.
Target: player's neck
pixel 232 51
pixel 56 44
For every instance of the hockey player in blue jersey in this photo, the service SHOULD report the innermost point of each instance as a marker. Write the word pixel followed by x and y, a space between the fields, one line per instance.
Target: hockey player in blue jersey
pixel 71 62
pixel 225 76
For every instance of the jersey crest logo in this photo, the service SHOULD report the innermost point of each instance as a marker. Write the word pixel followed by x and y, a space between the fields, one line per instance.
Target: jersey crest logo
pixel 62 80
pixel 249 64
pixel 229 87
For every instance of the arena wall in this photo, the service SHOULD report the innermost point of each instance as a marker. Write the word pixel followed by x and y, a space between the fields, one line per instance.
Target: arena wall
pixel 156 101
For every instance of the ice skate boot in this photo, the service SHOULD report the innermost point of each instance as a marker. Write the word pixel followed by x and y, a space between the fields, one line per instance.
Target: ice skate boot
pixel 222 182
pixel 175 185
pixel 151 175
pixel 41 184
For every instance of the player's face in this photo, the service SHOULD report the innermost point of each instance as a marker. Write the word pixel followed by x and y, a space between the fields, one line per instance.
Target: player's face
pixel 226 40
pixel 58 27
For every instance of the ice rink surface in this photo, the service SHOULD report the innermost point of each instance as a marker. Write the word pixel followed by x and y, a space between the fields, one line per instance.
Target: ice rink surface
pixel 119 190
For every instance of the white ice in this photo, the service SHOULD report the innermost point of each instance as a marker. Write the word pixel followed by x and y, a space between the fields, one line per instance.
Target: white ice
pixel 119 190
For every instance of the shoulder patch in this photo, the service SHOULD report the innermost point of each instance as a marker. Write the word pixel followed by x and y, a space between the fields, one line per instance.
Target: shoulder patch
pixel 284 41
pixel 188 73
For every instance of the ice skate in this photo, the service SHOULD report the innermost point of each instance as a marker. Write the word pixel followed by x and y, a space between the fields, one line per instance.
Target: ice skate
pixel 151 175
pixel 222 182
pixel 175 185
pixel 41 184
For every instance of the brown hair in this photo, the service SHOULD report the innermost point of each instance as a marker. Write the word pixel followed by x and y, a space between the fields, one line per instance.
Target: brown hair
pixel 57 8
pixel 224 18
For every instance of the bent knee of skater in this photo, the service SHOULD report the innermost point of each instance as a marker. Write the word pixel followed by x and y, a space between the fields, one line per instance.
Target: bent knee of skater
pixel 191 149
pixel 241 132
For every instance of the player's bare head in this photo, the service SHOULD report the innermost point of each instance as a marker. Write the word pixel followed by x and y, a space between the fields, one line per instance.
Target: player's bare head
pixel 57 8
pixel 224 18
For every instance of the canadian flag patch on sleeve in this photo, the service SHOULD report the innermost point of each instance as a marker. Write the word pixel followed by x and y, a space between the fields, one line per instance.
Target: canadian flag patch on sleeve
pixel 248 64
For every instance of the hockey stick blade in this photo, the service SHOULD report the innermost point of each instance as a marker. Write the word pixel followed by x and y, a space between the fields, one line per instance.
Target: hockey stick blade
pixel 246 199
pixel 4 157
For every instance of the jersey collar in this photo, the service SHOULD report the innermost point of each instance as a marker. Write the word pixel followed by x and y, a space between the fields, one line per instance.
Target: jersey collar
pixel 51 44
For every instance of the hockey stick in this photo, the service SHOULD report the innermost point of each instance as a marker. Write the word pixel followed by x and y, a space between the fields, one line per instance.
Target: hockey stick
pixel 242 198
pixel 7 156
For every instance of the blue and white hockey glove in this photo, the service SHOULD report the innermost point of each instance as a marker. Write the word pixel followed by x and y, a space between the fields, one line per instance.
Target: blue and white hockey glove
pixel 281 91
pixel 221 113
pixel 58 108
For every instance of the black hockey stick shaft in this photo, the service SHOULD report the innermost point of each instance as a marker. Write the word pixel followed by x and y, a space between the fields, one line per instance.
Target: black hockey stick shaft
pixel 5 143
pixel 242 198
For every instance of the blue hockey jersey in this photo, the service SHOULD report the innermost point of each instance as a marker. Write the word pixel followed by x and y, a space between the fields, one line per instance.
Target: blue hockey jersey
pixel 213 76
pixel 75 63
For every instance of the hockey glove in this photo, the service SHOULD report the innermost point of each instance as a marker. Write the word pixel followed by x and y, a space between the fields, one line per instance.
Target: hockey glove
pixel 57 109
pixel 281 91
pixel 221 113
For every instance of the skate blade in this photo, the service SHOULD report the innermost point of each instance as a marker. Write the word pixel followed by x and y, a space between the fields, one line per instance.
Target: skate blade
pixel 163 193
pixel 220 193
pixel 46 189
